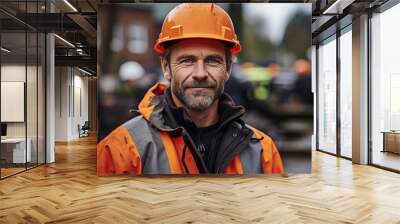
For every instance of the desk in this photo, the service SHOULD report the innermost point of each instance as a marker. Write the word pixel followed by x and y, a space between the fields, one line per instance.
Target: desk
pixel 13 150
pixel 391 141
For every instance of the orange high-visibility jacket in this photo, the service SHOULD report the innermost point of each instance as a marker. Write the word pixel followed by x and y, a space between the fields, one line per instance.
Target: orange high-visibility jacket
pixel 146 145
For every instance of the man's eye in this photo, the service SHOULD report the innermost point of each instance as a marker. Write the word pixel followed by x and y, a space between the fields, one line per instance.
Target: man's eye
pixel 213 61
pixel 186 61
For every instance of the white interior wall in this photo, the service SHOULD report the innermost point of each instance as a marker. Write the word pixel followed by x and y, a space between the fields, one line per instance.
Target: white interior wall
pixel 70 84
pixel 61 103
pixel 80 102
pixel 13 73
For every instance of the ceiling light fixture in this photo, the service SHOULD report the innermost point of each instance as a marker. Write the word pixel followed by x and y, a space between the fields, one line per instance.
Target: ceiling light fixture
pixel 84 71
pixel 64 40
pixel 337 7
pixel 70 5
pixel 5 50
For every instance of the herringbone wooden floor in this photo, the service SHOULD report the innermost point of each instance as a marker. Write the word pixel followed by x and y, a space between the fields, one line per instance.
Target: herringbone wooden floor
pixel 69 191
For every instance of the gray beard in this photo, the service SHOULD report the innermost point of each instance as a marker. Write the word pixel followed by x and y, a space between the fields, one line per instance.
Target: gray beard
pixel 197 102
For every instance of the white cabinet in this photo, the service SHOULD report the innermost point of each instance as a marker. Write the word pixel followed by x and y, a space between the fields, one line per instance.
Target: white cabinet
pixel 17 147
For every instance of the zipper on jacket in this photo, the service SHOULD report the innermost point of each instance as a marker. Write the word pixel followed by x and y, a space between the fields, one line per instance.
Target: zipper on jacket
pixel 232 142
pixel 196 154
pixel 237 150
pixel 211 155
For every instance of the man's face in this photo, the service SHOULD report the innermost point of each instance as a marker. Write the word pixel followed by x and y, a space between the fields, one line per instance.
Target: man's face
pixel 197 72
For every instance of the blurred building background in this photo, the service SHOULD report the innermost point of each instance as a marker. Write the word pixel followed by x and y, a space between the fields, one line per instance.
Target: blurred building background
pixel 271 76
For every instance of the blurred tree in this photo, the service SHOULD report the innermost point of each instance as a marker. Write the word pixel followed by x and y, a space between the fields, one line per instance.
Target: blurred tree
pixel 235 10
pixel 297 38
pixel 256 47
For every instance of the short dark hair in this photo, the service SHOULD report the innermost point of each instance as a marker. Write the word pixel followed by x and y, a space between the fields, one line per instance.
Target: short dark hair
pixel 167 54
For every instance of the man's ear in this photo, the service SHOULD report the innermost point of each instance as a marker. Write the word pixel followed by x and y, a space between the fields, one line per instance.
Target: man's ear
pixel 165 68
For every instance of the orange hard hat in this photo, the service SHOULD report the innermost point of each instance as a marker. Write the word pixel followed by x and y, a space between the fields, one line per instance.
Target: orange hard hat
pixel 197 20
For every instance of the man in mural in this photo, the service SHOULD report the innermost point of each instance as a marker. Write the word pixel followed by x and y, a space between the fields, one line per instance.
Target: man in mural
pixel 189 125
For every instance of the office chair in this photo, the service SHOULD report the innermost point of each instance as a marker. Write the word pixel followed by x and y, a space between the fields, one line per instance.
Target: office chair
pixel 84 130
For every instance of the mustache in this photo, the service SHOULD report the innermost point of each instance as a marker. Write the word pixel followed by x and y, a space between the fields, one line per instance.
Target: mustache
pixel 200 84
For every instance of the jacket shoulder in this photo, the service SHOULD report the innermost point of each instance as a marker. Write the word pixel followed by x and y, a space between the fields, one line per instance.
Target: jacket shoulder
pixel 259 134
pixel 117 152
pixel 271 159
pixel 121 131
pixel 134 121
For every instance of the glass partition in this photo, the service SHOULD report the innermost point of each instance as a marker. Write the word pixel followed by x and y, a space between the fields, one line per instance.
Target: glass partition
pixel 41 86
pixel 14 153
pixel 31 100
pixel 22 88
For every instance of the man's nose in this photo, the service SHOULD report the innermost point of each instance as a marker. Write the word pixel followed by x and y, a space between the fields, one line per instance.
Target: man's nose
pixel 200 71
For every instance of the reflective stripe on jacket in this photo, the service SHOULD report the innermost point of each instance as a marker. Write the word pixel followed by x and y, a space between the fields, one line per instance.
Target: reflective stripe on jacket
pixel 144 146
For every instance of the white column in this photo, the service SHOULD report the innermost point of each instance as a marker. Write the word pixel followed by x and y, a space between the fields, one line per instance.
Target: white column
pixel 50 92
pixel 50 110
pixel 360 90
pixel 314 91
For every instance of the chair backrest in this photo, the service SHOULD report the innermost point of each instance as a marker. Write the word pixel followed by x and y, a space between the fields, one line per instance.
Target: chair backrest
pixel 86 125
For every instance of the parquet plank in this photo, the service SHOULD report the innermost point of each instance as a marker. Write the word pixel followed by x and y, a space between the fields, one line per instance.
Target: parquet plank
pixel 69 191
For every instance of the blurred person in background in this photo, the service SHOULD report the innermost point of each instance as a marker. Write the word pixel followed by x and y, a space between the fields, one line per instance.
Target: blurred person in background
pixel 259 114
pixel 302 86
pixel 239 87
pixel 189 125
pixel 282 84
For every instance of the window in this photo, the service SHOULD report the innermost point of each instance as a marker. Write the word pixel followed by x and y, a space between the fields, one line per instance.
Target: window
pixel 385 88
pixel 117 43
pixel 327 96
pixel 138 40
pixel 346 93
